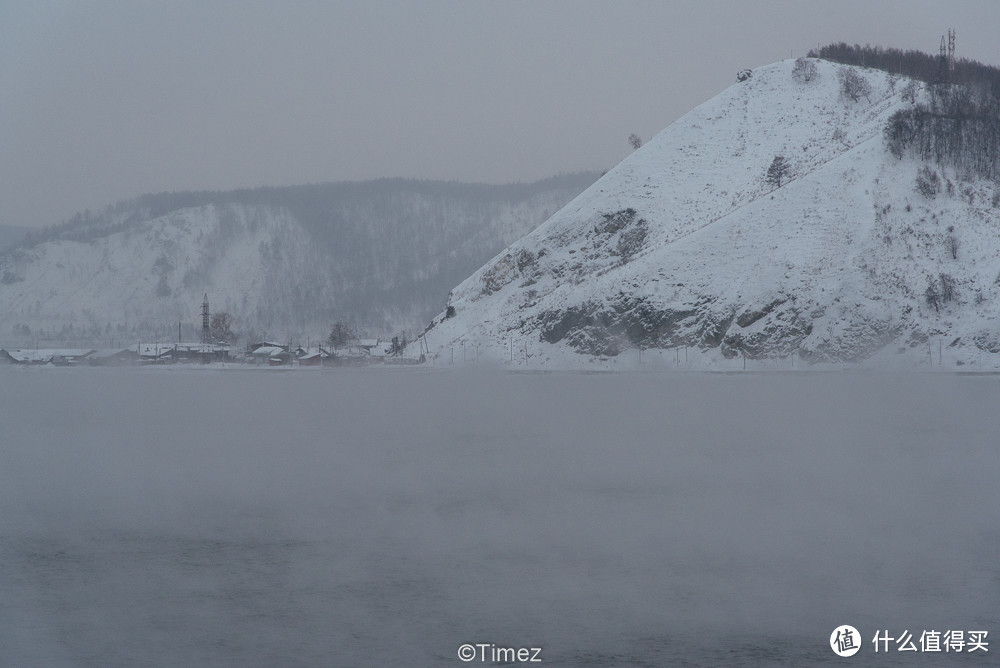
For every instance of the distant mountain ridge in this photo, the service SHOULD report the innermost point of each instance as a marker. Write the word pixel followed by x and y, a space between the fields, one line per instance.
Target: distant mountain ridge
pixel 283 261
pixel 798 214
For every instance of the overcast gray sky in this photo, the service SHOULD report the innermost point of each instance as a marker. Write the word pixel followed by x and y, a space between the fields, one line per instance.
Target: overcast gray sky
pixel 107 99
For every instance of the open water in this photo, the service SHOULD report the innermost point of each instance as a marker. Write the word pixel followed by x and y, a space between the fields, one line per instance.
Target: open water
pixel 377 517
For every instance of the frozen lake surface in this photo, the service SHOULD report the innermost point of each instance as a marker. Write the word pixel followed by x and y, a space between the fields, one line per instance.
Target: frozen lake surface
pixel 166 517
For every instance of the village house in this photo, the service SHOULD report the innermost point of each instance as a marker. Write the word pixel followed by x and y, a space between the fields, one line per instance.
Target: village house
pixel 54 356
pixel 113 357
pixel 271 355
pixel 198 353
pixel 375 348
pixel 311 356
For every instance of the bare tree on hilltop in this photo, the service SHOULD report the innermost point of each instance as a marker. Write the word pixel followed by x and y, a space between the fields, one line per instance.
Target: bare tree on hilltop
pixel 805 70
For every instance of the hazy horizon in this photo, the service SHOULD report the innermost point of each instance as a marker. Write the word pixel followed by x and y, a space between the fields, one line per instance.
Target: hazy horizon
pixel 108 100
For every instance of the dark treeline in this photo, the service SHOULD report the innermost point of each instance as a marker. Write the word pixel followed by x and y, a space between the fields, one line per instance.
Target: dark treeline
pixel 984 80
pixel 957 124
pixel 956 128
pixel 82 227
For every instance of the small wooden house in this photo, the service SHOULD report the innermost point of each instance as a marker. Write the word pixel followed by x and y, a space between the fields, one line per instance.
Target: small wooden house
pixel 271 355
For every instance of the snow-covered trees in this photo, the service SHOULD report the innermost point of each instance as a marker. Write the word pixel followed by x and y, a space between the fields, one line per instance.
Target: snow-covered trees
pixel 956 127
pixel 928 182
pixel 939 290
pixel 899 132
pixel 634 140
pixel 778 171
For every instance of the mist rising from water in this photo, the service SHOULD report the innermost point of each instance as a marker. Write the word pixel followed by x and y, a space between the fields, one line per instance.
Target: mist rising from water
pixel 164 517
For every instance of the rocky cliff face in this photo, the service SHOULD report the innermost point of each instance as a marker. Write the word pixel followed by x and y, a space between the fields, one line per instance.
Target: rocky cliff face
pixel 693 241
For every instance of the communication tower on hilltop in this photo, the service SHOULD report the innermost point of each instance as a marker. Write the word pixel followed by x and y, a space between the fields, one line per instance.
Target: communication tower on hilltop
pixel 946 58
pixel 951 50
pixel 206 332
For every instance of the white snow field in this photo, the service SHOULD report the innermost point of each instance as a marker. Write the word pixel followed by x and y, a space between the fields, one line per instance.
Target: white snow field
pixel 172 517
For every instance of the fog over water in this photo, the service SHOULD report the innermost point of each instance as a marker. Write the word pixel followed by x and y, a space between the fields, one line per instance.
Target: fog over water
pixel 168 517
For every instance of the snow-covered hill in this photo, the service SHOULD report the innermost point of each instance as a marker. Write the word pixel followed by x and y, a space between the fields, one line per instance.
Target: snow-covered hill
pixel 686 244
pixel 284 262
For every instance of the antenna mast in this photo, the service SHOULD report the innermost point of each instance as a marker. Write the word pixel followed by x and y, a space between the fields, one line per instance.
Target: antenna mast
pixel 951 51
pixel 206 332
pixel 946 58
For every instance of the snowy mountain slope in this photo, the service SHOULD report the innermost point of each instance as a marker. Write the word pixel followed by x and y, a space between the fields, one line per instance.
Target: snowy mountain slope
pixel 685 243
pixel 284 262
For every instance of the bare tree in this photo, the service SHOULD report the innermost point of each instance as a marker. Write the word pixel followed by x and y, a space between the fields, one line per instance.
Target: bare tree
pixel 634 140
pixel 928 182
pixel 899 132
pixel 778 171
pixel 853 84
pixel 805 70
pixel 221 327
pixel 932 295
pixel 340 335
pixel 947 287
pixel 953 246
